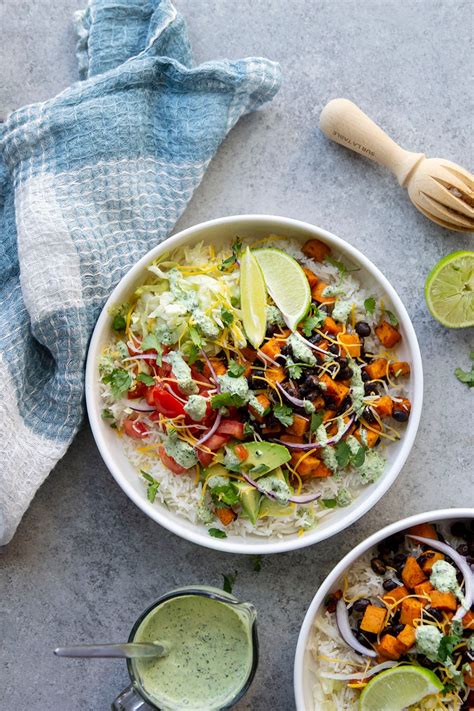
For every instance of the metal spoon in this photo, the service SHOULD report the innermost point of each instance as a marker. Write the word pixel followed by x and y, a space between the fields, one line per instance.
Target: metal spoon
pixel 126 649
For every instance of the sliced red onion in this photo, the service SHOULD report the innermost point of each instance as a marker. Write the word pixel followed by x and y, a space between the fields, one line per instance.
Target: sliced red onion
pixel 317 445
pixel 461 563
pixel 358 675
pixel 142 356
pixel 168 387
pixel 210 432
pixel 342 619
pixel 295 400
pixel 131 346
pixel 139 406
pixel 140 435
pixel 315 348
pixel 211 370
pixel 264 356
pixel 304 499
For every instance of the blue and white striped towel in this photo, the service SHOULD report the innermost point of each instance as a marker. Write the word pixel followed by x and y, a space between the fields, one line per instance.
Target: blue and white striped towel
pixel 89 181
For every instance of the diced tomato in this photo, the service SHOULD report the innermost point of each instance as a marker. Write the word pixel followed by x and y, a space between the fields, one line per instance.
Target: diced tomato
pixel 166 403
pixel 149 396
pixel 205 457
pixel 241 451
pixel 215 442
pixel 138 391
pixel 170 463
pixel 134 429
pixel 202 380
pixel 233 428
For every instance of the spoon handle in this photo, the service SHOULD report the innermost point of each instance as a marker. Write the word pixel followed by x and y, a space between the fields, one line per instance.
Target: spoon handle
pixel 127 650
pixel 343 122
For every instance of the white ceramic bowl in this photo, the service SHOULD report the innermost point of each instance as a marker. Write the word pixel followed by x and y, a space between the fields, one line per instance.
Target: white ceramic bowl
pixel 303 676
pixel 220 231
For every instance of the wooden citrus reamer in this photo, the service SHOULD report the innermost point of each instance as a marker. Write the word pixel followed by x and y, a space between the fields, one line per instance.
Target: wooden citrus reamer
pixel 441 190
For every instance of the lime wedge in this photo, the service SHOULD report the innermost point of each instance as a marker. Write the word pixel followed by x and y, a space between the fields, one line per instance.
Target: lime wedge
pixel 286 283
pixel 397 688
pixel 449 290
pixel 253 299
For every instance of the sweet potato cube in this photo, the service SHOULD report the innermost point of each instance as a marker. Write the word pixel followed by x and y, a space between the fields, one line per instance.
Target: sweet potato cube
pixel 225 516
pixel 307 467
pixel 350 343
pixel 322 471
pixel 377 369
pixel 265 403
pixel 383 406
pixel 273 429
pixel 395 595
pixel 412 574
pixel 311 277
pixel 387 334
pixel 468 620
pixel 427 564
pixel 407 636
pixel 335 390
pixel 373 619
pixel 249 354
pixel 300 425
pixel 318 402
pixel 317 294
pixel 371 437
pixel 399 368
pixel 443 601
pixel 315 249
pixel 469 677
pixel 276 374
pixel 423 588
pixel 411 610
pixel 390 647
pixel 425 530
pixel 331 326
pixel 218 366
pixel 272 348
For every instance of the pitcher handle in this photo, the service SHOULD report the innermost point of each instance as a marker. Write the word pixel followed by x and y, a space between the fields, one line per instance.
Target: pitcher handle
pixel 129 700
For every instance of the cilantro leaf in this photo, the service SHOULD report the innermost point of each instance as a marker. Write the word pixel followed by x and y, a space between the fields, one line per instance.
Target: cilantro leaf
pixel 230 261
pixel 119 379
pixel 466 376
pixel 446 646
pixel 369 305
pixel 119 320
pixel 284 414
pixel 391 317
pixel 227 317
pixel 107 414
pixel 314 320
pixel 226 400
pixel 193 354
pixel 343 454
pixel 257 563
pixel 195 336
pixel 151 342
pixel 329 503
pixel 217 533
pixel 316 420
pixel 224 495
pixel 235 370
pixel 249 429
pixel 342 269
pixel 358 458
pixel 152 487
pixel 294 370
pixel 147 379
pixel 229 581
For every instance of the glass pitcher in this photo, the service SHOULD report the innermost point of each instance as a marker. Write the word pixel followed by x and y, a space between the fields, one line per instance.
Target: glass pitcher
pixel 137 697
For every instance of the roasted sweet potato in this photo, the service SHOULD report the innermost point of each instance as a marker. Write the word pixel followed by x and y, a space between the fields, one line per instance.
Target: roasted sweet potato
pixel 370 437
pixel 311 277
pixel 350 343
pixel 373 619
pixel 410 610
pixel 383 406
pixel 425 530
pixel 427 563
pixel 468 620
pixel 249 354
pixel 330 326
pixel 273 429
pixel 307 467
pixel 335 390
pixel 423 588
pixel 469 676
pixel 390 647
pixel 387 334
pixel 443 601
pixel 299 427
pixel 377 369
pixel 412 574
pixel 265 403
pixel 275 374
pixel 218 365
pixel 395 595
pixel 322 471
pixel 272 348
pixel 225 516
pixel 315 249
pixel 317 294
pixel 407 636
pixel 399 368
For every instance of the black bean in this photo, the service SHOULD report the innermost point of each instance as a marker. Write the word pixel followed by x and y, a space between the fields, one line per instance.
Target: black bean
pixel 363 329
pixel 471 547
pixel 470 560
pixel 315 338
pixel 371 389
pixel 390 584
pixel 334 349
pixel 400 415
pixel 365 376
pixel 400 559
pixel 377 566
pixel 389 629
pixel 437 614
pixel 286 350
pixel 459 529
pixel 360 605
pixel 344 374
pixel 368 415
pixel 271 330
pixel 421 560
pixel 463 549
pixel 425 662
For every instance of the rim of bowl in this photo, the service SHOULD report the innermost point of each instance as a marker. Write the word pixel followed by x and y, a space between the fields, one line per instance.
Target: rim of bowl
pixel 338 570
pixel 363 504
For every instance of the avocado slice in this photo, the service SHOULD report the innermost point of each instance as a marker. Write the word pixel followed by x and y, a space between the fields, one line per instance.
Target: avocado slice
pixel 269 507
pixel 215 470
pixel 270 454
pixel 249 499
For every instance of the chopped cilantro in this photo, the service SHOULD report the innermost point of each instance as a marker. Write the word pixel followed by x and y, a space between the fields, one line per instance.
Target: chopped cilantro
pixel 229 581
pixel 466 376
pixel 284 414
pixel 193 354
pixel 230 261
pixel 316 420
pixel 119 320
pixel 235 301
pixel 342 269
pixel 294 370
pixel 446 646
pixel 314 320
pixel 369 305
pixel 227 317
pixel 249 429
pixel 257 563
pixel 107 414
pixel 224 495
pixel 119 379
pixel 343 454
pixel 235 370
pixel 226 400
pixel 329 503
pixel 152 487
pixel 391 317
pixel 217 533
pixel 147 379
pixel 358 458
pixel 195 336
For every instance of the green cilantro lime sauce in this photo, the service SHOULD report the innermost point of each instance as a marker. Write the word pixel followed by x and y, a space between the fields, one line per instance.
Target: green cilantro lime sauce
pixel 235 386
pixel 443 578
pixel 196 407
pixel 343 497
pixel 210 653
pixel 357 388
pixel 341 310
pixel 208 328
pixel 300 350
pixel 274 316
pixel 428 639
pixel 182 372
pixel 276 486
pixel 180 451
pixel 322 435
pixel 372 468
pixel 329 458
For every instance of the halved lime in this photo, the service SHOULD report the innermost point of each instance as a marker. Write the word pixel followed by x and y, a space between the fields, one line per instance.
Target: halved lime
pixel 253 299
pixel 397 688
pixel 286 283
pixel 449 290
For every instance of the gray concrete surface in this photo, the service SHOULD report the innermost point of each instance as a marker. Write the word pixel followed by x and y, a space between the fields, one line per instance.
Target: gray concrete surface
pixel 85 561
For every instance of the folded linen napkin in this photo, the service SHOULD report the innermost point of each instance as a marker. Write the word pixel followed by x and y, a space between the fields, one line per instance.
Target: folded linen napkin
pixel 89 181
